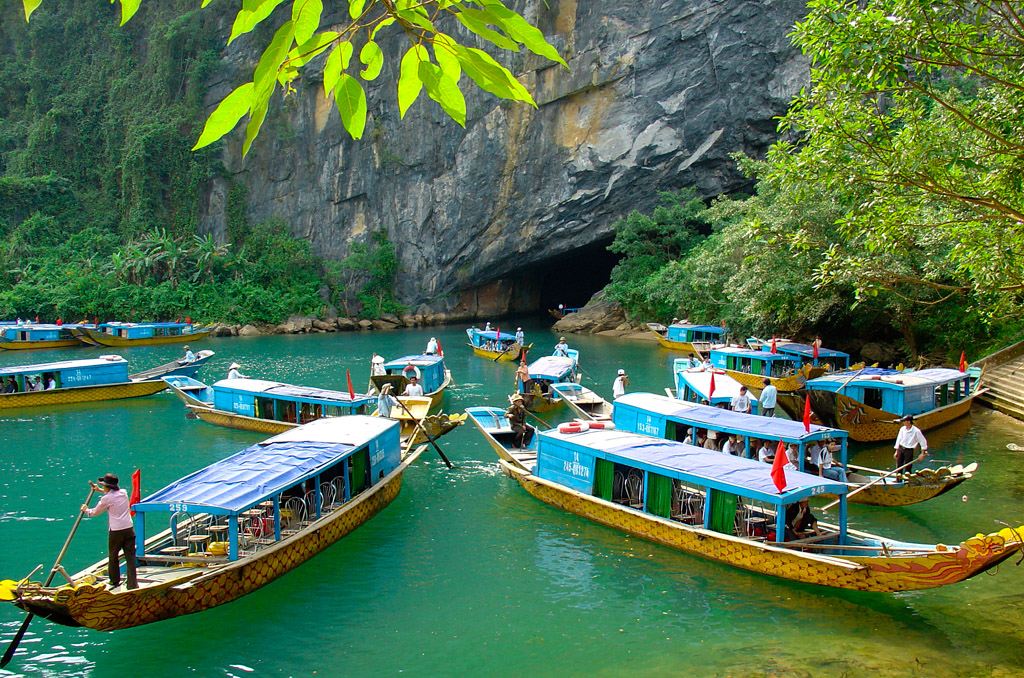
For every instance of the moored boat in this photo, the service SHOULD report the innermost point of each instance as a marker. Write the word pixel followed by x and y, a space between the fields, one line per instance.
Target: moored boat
pixel 496 345
pixel 303 491
pixel 728 509
pixel 672 419
pixel 815 362
pixel 140 334
pixel 870 402
pixel 178 367
pixel 39 335
pixel 693 384
pixel 538 395
pixel 688 338
pixel 429 370
pixel 74 381
pixel 751 368
pixel 582 401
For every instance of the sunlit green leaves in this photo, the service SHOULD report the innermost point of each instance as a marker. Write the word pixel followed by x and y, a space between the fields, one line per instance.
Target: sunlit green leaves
pixel 409 83
pixel 306 18
pixel 128 10
pixel 491 76
pixel 351 101
pixel 251 14
pixel 373 59
pixel 31 6
pixel 226 115
pixel 444 90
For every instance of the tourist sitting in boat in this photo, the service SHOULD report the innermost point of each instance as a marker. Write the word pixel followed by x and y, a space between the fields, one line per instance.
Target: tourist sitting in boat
pixel 233 372
pixel 413 388
pixel 562 348
pixel 36 385
pixel 813 458
pixel 800 522
pixel 189 357
pixel 11 386
pixel 764 453
pixel 431 347
pixel 692 362
pixel 732 445
pixel 385 401
pixel 711 441
pixel 827 467
pixel 792 455
pixel 907 440
pixel 516 414
pixel 49 382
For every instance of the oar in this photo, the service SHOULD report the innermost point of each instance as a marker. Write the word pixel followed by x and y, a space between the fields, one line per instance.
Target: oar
pixel 420 427
pixel 864 487
pixel 53 571
pixel 498 357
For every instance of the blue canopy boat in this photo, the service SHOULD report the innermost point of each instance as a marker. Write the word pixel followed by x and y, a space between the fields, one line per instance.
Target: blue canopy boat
pixel 828 360
pixel 490 344
pixel 429 370
pixel 73 381
pixel 688 338
pixel 726 509
pixel 751 368
pixel 693 384
pixel 140 334
pixel 39 335
pixel 538 395
pixel 238 524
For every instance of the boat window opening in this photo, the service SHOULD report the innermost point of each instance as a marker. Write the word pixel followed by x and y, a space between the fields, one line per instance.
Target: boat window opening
pixel 676 431
pixel 941 395
pixel 687 503
pixel 306 413
pixel 956 391
pixel 873 397
pixel 263 408
pixel 723 512
pixel 23 336
pixel 286 411
pixel 755 520
pixel 359 470
pixel 628 486
pixel 333 411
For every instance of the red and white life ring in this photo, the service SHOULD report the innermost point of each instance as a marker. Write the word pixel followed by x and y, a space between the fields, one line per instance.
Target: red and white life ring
pixel 601 425
pixel 415 370
pixel 573 427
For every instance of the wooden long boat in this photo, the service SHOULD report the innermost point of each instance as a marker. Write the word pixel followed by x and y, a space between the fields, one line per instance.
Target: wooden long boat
pixel 39 335
pixel 751 368
pixel 176 367
pixel 827 360
pixel 693 384
pixel 75 381
pixel 727 509
pixel 501 347
pixel 870 402
pixel 141 334
pixel 583 402
pixel 537 392
pixel 673 419
pixel 245 535
pixel 688 338
pixel 429 370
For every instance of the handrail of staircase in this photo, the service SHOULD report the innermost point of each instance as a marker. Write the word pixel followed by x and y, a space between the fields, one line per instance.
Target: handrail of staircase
pixel 1001 356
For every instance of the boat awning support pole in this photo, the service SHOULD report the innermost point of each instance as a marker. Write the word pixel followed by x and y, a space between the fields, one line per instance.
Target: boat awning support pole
pixel 842 519
pixel 277 517
pixel 140 533
pixel 780 522
pixel 318 497
pixel 232 537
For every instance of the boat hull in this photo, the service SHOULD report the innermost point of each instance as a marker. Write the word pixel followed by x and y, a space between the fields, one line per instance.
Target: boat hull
pixel 81 394
pixel 96 607
pixel 239 421
pixel 882 574
pixel 755 382
pixel 902 494
pixel 31 345
pixel 501 356
pixel 104 339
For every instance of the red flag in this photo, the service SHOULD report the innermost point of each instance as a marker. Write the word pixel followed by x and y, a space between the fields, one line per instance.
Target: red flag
pixel 37 318
pixel 817 343
pixel 779 467
pixel 96 320
pixel 774 347
pixel 136 489
pixel 188 319
pixel 807 413
pixel 59 322
pixel 178 319
pixel 963 361
pixel 711 390
pixel 440 351
pixel 351 393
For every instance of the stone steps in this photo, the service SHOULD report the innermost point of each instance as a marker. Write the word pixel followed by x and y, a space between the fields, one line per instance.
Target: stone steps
pixel 1006 387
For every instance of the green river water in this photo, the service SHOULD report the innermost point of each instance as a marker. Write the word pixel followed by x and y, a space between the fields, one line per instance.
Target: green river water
pixel 466 574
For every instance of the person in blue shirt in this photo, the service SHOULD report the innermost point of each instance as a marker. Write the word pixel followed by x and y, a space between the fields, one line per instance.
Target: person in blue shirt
pixel 385 401
pixel 562 348
pixel 188 357
pixel 768 398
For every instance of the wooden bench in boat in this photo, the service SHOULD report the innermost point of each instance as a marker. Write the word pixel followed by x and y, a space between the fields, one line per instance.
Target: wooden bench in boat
pixel 202 560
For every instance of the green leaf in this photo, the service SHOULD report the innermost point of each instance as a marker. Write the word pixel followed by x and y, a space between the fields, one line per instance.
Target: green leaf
pixel 416 18
pixel 490 76
pixel 31 6
pixel 256 118
pixel 468 18
pixel 355 8
pixel 373 58
pixel 128 9
pixel 205 3
pixel 251 14
pixel 519 29
pixel 307 51
pixel 444 91
pixel 409 84
pixel 444 54
pixel 351 100
pixel 381 24
pixel 306 17
pixel 226 115
pixel 336 63
pixel 271 59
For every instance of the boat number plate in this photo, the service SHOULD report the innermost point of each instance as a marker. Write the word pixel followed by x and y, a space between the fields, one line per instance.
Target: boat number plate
pixel 178 507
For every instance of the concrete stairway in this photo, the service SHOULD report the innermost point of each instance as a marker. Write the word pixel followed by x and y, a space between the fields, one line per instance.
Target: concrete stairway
pixel 1003 376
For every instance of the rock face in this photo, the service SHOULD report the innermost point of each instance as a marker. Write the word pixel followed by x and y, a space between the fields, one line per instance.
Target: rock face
pixel 656 98
pixel 599 315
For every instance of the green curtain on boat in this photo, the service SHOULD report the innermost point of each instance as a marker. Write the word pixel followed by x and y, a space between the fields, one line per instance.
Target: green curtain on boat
pixel 604 479
pixel 723 512
pixel 357 471
pixel 659 495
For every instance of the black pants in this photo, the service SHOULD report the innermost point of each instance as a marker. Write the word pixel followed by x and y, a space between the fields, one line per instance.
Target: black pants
pixel 523 434
pixel 121 541
pixel 905 455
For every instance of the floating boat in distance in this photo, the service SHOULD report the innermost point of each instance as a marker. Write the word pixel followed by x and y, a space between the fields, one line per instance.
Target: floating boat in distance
pixel 689 338
pixel 489 344
pixel 727 509
pixel 175 368
pixel 39 335
pixel 140 334
pixel 75 381
pixel 668 418
pixel 583 402
pixel 693 384
pixel 829 360
pixel 559 313
pixel 430 370
pixel 303 491
pixel 870 402
pixel 750 368
pixel 538 395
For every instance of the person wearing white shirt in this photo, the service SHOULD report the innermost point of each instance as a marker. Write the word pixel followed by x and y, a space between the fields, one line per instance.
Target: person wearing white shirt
pixel 769 396
pixel 385 401
pixel 51 383
pixel 562 348
pixel 827 467
pixel 189 356
pixel 233 372
pixel 814 452
pixel 37 385
pixel 377 366
pixel 413 388
pixel 741 402
pixel 431 346
pixel 619 385
pixel 765 455
pixel 908 439
pixel 792 455
pixel 706 365
pixel 520 336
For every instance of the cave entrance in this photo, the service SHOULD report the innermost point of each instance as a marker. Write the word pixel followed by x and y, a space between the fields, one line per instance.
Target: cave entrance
pixel 573 277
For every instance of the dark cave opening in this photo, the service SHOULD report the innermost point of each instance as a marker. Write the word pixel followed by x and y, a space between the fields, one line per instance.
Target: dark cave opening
pixel 573 277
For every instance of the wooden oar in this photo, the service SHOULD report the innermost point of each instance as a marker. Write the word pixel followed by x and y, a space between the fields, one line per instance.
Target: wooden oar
pixel 9 654
pixel 864 487
pixel 422 429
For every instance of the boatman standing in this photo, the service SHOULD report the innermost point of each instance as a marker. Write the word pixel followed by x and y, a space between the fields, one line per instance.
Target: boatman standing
pixel 377 366
pixel 385 401
pixel 769 396
pixel 520 336
pixel 413 388
pixel 432 346
pixel 619 385
pixel 562 348
pixel 121 533
pixel 908 439
pixel 188 357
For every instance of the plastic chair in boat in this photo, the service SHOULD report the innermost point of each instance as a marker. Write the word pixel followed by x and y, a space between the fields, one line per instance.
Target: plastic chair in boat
pixel 293 515
pixel 327 493
pixel 635 489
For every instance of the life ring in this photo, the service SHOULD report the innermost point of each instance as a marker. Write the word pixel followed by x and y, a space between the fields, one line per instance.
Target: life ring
pixel 601 425
pixel 415 371
pixel 573 427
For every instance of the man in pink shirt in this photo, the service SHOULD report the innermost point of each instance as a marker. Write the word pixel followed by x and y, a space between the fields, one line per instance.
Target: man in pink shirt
pixel 121 536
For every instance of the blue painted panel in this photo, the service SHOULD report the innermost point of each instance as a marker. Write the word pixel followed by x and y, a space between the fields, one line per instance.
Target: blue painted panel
pixel 571 467
pixel 385 453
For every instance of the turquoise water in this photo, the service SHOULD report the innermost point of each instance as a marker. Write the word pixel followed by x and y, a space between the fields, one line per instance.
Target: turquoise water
pixel 466 574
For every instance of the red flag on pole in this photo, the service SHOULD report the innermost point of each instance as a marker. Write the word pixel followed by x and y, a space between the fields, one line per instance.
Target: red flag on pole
pixel 807 413
pixel 351 392
pixel 775 348
pixel 188 319
pixel 817 343
pixel 779 467
pixel 440 351
pixel 711 390
pixel 963 361
pixel 37 318
pixel 136 489
pixel 59 322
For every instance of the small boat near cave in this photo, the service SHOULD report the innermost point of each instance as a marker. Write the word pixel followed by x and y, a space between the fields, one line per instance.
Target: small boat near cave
pixel 496 345
pixel 693 384
pixel 177 367
pixel 751 368
pixel 688 338
pixel 583 402
pixel 429 370
pixel 304 490
pixel 537 392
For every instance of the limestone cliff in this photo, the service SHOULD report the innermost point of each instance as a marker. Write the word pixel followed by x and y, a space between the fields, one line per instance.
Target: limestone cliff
pixel 657 96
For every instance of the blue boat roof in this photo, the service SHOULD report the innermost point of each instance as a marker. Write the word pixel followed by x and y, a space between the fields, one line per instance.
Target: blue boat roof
pixel 417 360
pixel 751 478
pixel 260 471
pixel 492 335
pixel 700 328
pixel 551 367
pixel 806 350
pixel 277 389
pixel 892 378
pixel 62 365
pixel 706 416
pixel 121 324
pixel 749 353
